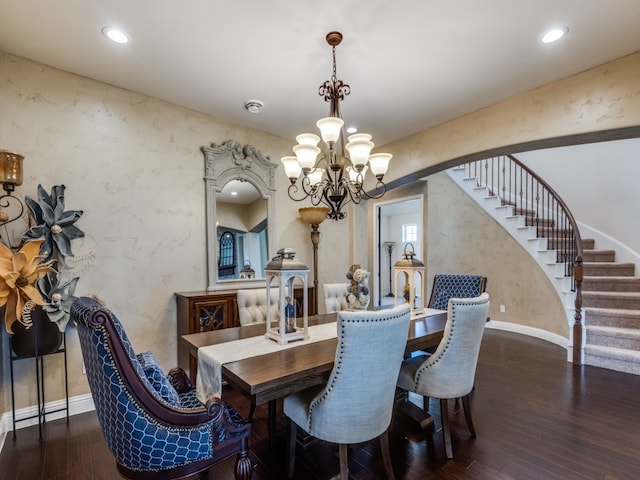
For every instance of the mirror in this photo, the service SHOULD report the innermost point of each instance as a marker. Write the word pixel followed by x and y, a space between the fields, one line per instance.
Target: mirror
pixel 241 230
pixel 239 189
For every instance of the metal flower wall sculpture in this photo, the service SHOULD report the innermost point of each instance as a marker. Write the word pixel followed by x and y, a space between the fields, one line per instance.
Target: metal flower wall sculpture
pixel 19 273
pixel 53 224
pixel 56 227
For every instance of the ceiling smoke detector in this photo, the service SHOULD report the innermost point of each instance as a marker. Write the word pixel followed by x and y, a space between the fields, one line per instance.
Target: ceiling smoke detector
pixel 253 106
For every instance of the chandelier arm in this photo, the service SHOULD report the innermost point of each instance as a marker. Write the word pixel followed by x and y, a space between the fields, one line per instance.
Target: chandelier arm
pixel 380 185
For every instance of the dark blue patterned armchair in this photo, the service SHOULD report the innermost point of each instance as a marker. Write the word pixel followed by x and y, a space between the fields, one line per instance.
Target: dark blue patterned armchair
pixel 153 424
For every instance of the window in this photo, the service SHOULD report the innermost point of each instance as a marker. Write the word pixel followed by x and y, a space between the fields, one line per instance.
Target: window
pixel 409 232
pixel 227 257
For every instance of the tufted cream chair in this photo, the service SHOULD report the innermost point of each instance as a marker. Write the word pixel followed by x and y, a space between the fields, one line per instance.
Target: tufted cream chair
pixel 335 296
pixel 252 305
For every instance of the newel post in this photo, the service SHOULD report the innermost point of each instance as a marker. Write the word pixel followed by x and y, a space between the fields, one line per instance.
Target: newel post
pixel 577 326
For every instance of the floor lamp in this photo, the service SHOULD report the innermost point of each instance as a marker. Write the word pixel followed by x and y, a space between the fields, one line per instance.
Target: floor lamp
pixel 389 246
pixel 314 216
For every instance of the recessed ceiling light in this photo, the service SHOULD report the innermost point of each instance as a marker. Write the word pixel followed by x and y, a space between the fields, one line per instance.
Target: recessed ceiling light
pixel 554 34
pixel 254 106
pixel 115 35
pixel 352 129
pixel 233 194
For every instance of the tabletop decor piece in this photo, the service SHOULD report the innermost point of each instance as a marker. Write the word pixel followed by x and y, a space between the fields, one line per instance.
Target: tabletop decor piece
pixel 414 285
pixel 358 292
pixel 282 271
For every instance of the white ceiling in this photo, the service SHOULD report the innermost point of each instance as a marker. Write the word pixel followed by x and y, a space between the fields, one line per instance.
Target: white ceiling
pixel 411 64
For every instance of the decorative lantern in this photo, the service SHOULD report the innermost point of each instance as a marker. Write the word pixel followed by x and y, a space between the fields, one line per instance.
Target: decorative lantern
pixel 415 274
pixel 282 270
pixel 247 271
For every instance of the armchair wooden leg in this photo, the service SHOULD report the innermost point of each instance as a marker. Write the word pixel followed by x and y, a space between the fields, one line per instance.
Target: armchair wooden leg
pixel 466 406
pixel 344 467
pixel 446 432
pixel 244 467
pixel 386 455
pixel 291 450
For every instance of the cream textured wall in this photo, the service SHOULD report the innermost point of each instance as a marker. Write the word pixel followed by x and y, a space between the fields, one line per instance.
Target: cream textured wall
pixel 462 238
pixel 134 165
pixel 603 98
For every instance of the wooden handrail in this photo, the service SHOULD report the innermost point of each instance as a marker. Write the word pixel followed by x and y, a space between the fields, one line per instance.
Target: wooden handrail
pixel 531 196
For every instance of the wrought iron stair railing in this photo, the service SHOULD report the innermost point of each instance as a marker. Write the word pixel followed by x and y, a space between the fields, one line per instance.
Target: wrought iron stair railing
pixel 530 196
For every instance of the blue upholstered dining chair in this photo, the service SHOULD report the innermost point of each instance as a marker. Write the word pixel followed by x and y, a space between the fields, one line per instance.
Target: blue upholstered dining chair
pixel 153 424
pixel 453 285
pixel 449 372
pixel 356 403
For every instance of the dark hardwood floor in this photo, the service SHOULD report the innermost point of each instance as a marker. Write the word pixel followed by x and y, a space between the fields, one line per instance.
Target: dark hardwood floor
pixel 537 417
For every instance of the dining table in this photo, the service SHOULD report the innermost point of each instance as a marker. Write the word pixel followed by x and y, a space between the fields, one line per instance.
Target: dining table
pixel 268 377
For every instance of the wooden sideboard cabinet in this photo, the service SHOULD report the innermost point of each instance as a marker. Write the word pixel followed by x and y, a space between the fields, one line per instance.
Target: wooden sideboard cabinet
pixel 203 311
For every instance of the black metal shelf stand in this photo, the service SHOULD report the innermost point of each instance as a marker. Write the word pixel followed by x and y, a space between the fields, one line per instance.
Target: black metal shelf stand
pixel 42 410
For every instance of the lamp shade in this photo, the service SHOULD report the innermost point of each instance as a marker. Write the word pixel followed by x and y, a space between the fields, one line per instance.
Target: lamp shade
pixel 313 215
pixel 379 163
pixel 308 139
pixel 330 128
pixel 10 169
pixel 359 148
pixel 315 177
pixel 292 168
pixel 307 155
pixel 355 176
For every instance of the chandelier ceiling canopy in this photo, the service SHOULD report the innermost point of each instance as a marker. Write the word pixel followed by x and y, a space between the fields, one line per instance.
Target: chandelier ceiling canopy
pixel 333 172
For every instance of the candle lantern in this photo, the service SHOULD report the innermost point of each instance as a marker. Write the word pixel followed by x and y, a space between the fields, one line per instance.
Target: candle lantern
pixel 247 271
pixel 413 272
pixel 283 270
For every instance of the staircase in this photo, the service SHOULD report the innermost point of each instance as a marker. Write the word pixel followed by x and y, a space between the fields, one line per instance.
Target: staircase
pixel 611 301
pixel 610 291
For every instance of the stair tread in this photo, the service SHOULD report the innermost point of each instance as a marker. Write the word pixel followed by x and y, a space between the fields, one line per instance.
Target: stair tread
pixel 611 278
pixel 607 263
pixel 607 293
pixel 611 351
pixel 613 311
pixel 618 331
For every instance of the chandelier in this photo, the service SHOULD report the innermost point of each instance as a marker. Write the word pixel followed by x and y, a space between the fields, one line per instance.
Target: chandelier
pixel 333 174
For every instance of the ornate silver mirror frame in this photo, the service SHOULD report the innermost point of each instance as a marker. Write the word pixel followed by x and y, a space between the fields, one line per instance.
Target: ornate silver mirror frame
pixel 224 163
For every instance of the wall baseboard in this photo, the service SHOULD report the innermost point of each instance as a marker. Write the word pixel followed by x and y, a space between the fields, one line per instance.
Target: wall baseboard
pixel 77 405
pixel 530 331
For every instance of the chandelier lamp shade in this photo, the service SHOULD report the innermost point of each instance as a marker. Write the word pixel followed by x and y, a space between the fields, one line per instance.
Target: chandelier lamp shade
pixel 333 172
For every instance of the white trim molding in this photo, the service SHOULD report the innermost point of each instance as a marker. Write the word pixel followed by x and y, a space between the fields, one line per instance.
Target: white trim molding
pixel 79 404
pixel 530 331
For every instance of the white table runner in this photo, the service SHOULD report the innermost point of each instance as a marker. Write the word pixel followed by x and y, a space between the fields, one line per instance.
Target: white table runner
pixel 211 358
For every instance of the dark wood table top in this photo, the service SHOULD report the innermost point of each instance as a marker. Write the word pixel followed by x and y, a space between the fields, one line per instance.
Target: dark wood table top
pixel 273 375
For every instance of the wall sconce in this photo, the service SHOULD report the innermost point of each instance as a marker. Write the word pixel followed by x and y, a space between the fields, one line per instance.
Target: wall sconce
pixel 414 273
pixel 11 208
pixel 10 170
pixel 282 270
